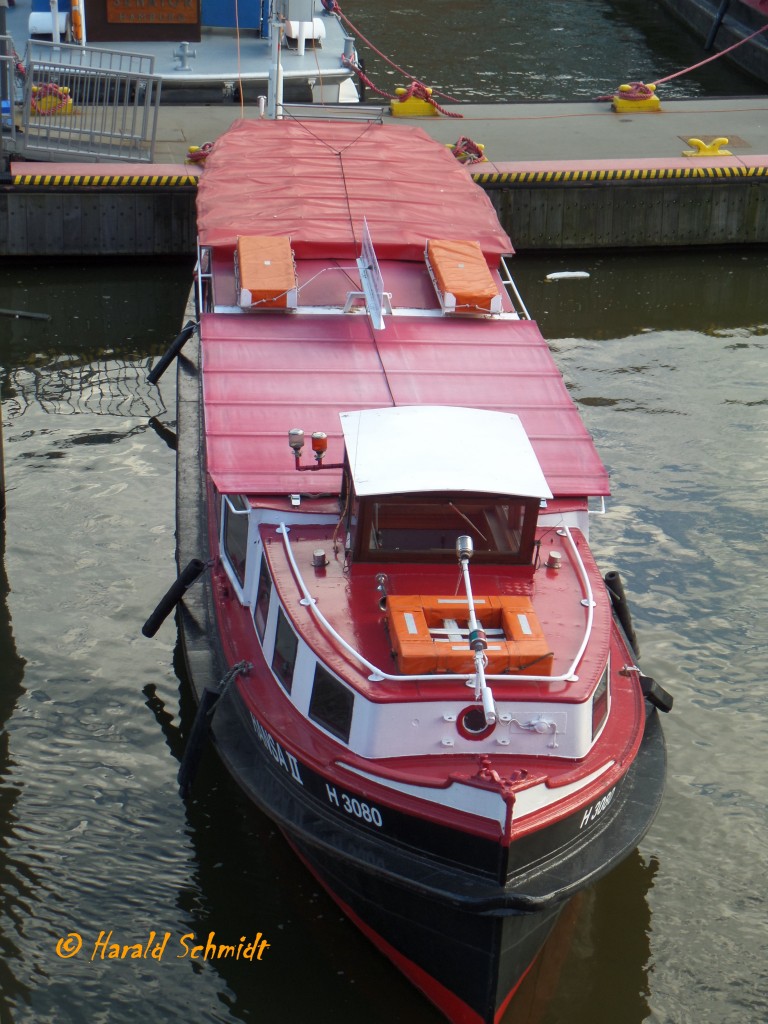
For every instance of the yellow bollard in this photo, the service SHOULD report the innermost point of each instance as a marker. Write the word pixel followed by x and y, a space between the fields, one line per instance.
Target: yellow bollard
pixel 412 105
pixel 707 148
pixel 51 99
pixel 636 98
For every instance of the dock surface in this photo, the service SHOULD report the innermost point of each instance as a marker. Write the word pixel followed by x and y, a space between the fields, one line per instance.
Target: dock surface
pixel 535 132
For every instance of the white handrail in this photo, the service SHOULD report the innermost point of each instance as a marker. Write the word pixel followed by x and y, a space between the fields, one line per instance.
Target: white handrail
pixel 477 639
pixel 377 675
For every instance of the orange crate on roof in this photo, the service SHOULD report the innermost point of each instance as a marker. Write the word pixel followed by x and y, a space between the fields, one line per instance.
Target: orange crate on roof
pixel 266 273
pixel 462 276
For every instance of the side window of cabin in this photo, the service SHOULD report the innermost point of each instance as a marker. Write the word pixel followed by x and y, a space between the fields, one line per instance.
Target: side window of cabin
pixel 331 704
pixel 263 594
pixel 600 702
pixel 286 646
pixel 234 534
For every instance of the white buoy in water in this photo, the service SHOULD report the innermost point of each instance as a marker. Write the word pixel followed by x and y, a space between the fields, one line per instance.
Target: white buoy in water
pixel 563 275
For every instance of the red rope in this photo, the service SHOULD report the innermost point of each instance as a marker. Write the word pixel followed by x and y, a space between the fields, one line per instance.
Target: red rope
pixel 715 56
pixel 50 89
pixel 633 95
pixel 365 79
pixel 416 90
pixel 333 7
pixel 636 91
pixel 419 91
pixel 197 154
pixel 468 152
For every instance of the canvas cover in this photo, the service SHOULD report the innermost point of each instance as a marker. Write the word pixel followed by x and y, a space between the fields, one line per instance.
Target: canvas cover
pixel 305 371
pixel 318 181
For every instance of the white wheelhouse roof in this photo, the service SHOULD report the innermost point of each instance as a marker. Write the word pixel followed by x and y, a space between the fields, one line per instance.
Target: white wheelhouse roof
pixel 409 449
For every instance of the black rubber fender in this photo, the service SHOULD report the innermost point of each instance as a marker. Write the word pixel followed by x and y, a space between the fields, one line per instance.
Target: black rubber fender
pixel 620 606
pixel 656 694
pixel 173 350
pixel 191 572
pixel 197 740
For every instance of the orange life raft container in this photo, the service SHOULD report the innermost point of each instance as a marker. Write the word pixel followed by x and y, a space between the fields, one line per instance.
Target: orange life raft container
pixel 431 634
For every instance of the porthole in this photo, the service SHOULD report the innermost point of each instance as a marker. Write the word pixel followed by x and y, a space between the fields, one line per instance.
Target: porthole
pixel 472 725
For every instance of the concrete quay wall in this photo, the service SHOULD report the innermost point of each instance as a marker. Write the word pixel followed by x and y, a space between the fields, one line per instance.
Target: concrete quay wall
pixel 645 206
pixel 541 208
pixel 589 179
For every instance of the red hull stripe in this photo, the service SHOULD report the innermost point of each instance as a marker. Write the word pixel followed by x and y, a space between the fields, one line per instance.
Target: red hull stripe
pixel 449 1004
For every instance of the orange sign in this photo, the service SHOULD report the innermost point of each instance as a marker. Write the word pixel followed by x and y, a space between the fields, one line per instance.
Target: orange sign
pixel 152 12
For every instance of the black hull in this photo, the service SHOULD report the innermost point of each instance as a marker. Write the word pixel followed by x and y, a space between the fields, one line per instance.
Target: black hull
pixel 468 964
pixel 465 931
pixel 463 938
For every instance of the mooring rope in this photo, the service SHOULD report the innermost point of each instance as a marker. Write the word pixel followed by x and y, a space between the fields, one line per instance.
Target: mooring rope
pixel 334 8
pixel 416 90
pixel 640 91
pixel 715 56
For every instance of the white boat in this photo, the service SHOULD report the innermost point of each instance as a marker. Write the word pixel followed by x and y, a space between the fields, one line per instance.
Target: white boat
pixel 298 49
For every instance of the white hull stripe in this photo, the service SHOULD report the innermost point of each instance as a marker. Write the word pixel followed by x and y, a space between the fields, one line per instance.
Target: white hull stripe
pixel 485 803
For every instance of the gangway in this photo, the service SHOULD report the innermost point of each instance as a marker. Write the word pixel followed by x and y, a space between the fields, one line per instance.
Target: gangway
pixel 80 102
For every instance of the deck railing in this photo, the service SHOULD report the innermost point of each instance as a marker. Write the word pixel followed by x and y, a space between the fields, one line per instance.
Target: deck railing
pixel 378 675
pixel 7 94
pixel 86 103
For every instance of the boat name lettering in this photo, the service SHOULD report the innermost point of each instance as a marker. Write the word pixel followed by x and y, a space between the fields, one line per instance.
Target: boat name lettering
pixel 597 809
pixel 358 808
pixel 282 757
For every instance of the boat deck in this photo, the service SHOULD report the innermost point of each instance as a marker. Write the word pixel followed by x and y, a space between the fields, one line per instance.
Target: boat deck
pixel 222 58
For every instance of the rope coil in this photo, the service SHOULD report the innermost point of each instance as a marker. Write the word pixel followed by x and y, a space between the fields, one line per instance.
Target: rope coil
pixel 50 99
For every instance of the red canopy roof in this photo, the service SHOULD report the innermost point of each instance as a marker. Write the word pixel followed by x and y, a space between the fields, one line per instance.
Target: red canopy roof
pixel 266 373
pixel 316 182
pixel 302 371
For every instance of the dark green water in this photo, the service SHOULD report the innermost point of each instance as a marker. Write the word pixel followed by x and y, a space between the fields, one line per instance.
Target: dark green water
pixel 667 357
pixel 506 51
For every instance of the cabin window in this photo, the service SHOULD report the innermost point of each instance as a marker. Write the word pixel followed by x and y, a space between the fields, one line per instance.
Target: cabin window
pixel 425 528
pixel 263 594
pixel 234 534
pixel 331 704
pixel 600 703
pixel 286 646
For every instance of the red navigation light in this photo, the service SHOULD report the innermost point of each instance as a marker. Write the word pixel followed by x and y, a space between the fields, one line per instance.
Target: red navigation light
pixel 319 444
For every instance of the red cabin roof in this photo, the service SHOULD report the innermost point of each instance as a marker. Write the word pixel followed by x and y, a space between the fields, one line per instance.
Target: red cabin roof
pixel 268 372
pixel 302 371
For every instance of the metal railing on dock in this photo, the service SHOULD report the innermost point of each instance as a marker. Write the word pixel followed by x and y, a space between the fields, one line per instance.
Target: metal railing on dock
pixel 85 103
pixel 333 112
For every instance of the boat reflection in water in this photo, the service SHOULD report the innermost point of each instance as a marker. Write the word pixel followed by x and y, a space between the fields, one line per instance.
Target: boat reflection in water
pixel 404 649
pixel 606 924
pixel 24 882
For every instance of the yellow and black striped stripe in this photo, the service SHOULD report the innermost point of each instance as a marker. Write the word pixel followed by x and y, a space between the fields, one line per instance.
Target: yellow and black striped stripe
pixel 562 177
pixel 538 177
pixel 107 180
